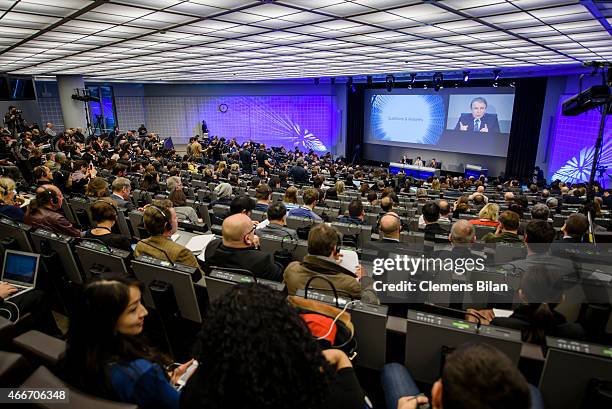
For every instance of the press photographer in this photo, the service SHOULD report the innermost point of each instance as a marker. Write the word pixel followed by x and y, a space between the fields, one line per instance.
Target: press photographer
pixel 14 121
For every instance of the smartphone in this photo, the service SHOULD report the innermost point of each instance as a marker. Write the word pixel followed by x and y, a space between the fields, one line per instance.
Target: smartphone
pixel 185 377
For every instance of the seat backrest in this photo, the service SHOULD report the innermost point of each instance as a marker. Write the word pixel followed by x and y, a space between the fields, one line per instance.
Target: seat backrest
pixel 43 378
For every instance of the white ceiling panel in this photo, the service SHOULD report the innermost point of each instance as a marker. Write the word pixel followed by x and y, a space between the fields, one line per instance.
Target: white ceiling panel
pixel 251 39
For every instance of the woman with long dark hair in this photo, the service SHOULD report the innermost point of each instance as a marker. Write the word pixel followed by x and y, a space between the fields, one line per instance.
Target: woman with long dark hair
pixel 256 352
pixel 106 354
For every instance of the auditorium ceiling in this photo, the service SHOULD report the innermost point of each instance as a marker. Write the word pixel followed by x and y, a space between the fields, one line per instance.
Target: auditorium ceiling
pixel 204 40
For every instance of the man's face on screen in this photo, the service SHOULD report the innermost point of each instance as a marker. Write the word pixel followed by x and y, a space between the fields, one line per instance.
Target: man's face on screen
pixel 478 109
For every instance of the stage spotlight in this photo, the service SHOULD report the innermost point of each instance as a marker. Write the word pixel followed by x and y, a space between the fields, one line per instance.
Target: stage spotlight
pixel 513 84
pixel 317 81
pixel 425 86
pixel 438 81
pixel 370 80
pixel 466 76
pixel 390 82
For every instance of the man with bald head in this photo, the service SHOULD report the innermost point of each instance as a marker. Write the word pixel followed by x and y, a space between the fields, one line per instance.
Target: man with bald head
pixel 43 211
pixel 462 233
pixel 239 248
pixel 389 228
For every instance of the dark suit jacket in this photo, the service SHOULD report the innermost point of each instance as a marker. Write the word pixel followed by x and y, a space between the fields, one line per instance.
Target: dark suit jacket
pixel 299 174
pixel 434 229
pixel 490 120
pixel 122 203
pixel 261 264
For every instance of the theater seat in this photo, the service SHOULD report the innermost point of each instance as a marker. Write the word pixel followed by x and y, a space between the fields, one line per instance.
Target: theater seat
pixel 6 329
pixel 13 369
pixel 41 346
pixel 43 378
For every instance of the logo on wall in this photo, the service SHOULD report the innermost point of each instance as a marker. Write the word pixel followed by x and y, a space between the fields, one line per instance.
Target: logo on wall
pixel 578 168
pixel 303 138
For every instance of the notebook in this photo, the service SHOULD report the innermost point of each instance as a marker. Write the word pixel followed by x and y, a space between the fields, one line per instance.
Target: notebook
pixel 20 269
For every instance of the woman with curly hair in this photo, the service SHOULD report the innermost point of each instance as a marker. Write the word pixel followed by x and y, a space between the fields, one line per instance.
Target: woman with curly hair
pixel 256 352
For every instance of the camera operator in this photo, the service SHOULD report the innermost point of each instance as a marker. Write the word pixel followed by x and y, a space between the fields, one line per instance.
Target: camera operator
pixel 13 120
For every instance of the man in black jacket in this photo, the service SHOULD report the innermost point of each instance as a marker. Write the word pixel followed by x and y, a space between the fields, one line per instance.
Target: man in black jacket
pixel 298 173
pixel 431 215
pixel 239 249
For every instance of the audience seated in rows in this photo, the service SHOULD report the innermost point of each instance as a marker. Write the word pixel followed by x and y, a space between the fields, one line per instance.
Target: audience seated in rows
pixel 276 223
pixel 356 213
pixel 161 223
pixel 322 259
pixel 474 376
pixel 310 198
pixel 9 203
pixel 104 213
pixel 121 191
pixel 507 229
pixel 44 212
pixel 239 249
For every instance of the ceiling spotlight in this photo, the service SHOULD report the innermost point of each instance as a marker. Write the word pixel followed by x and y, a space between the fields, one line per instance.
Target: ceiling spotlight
pixel 390 82
pixel 496 74
pixel 495 85
pixel 513 84
pixel 438 81
pixel 317 81
pixel 425 86
pixel 466 76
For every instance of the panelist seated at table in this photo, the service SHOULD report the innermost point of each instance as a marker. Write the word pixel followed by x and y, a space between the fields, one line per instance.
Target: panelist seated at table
pixel 433 163
pixel 406 160
pixel 418 161
pixel 478 120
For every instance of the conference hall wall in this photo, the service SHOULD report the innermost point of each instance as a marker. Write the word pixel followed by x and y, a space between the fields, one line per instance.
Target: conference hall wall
pixel 430 124
pixel 288 114
pixel 567 143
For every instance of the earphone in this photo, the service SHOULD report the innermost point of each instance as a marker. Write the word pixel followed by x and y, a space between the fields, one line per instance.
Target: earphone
pixel 51 196
pixel 108 204
pixel 168 225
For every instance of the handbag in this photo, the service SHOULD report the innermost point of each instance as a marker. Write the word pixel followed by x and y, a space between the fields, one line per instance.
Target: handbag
pixel 330 325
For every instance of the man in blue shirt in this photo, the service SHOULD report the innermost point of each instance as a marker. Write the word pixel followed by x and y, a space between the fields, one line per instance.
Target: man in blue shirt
pixel 356 213
pixel 310 196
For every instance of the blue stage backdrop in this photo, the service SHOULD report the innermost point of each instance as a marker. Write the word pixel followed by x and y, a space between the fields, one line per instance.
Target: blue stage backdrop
pixel 308 122
pixel 573 145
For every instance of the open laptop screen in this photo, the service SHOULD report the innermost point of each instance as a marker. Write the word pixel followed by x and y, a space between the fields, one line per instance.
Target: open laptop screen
pixel 20 267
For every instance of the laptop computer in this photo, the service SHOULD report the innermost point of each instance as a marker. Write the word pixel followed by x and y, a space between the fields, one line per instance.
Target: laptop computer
pixel 20 269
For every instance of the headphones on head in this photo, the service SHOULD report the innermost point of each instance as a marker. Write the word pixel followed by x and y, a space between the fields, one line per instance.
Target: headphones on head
pixel 108 204
pixel 168 224
pixel 47 196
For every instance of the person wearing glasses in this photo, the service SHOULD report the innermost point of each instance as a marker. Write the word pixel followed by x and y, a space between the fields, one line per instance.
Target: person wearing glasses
pixel 239 248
